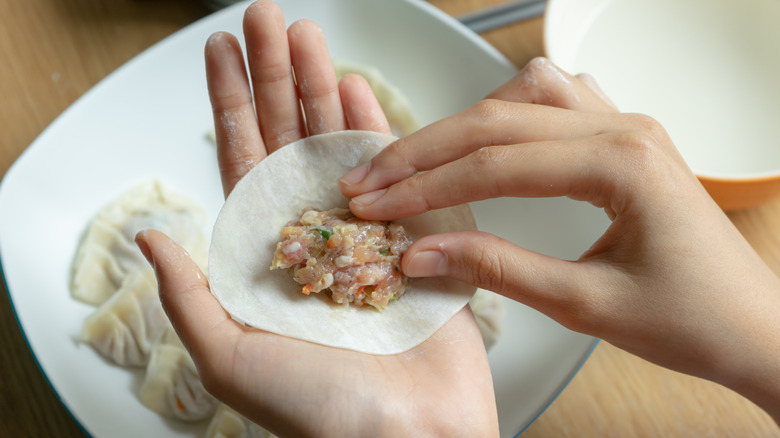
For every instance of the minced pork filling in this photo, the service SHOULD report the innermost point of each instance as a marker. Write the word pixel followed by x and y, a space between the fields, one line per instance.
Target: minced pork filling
pixel 358 261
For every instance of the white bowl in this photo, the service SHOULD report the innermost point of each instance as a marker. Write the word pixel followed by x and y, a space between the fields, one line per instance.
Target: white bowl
pixel 706 69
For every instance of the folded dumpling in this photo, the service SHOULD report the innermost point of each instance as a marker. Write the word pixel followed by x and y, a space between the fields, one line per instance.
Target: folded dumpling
pixel 108 253
pixel 228 423
pixel 172 385
pixel 125 327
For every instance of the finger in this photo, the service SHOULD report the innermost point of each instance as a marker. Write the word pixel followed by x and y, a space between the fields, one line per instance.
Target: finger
pixel 361 108
pixel 556 287
pixel 542 82
pixel 590 81
pixel 196 315
pixel 239 144
pixel 316 78
pixel 488 123
pixel 270 67
pixel 584 169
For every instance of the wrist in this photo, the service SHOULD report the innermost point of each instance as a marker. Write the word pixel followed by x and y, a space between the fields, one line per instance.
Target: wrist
pixel 757 381
pixel 749 363
pixel 438 417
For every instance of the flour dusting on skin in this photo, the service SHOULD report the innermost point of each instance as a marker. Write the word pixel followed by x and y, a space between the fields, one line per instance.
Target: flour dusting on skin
pixel 550 74
pixel 233 126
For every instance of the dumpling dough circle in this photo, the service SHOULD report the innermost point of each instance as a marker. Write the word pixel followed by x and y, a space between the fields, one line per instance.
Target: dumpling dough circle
pixel 305 175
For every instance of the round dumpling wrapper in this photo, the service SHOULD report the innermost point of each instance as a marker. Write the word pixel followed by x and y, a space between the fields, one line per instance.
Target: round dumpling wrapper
pixel 305 175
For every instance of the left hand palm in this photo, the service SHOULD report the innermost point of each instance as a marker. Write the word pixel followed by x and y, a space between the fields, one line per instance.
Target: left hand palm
pixel 442 387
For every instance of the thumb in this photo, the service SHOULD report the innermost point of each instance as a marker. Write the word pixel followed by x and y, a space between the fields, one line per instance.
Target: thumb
pixel 557 288
pixel 184 291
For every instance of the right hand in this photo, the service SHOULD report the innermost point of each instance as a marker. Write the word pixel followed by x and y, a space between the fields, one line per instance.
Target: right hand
pixel 671 279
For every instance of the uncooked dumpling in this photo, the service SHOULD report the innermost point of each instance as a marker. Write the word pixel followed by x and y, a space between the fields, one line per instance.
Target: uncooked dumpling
pixel 172 385
pixel 108 253
pixel 125 327
pixel 228 423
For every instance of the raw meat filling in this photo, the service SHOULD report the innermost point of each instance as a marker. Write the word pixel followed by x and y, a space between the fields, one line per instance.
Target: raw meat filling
pixel 358 261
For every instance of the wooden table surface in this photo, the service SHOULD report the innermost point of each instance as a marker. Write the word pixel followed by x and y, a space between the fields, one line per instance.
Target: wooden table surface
pixel 52 51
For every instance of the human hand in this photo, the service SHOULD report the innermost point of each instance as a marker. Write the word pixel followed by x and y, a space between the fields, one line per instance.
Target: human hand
pixel 292 387
pixel 671 279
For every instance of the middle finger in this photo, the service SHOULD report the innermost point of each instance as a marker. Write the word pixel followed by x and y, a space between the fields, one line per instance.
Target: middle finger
pixel 593 169
pixel 316 79
pixel 488 123
pixel 268 56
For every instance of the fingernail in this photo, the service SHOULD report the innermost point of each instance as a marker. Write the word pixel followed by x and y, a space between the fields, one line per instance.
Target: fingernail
pixel 430 263
pixel 356 175
pixel 367 199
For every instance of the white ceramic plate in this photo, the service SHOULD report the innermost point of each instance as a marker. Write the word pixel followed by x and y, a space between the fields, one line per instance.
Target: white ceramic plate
pixel 149 119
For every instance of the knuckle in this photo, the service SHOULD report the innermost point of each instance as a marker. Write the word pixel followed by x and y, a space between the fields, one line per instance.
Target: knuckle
pixel 636 141
pixel 640 160
pixel 639 146
pixel 396 151
pixel 488 161
pixel 544 83
pixel 488 270
pixel 234 166
pixel 491 121
pixel 286 135
pixel 233 118
pixel 582 311
pixel 646 123
pixel 578 307
pixel 595 308
pixel 419 186
pixel 264 73
pixel 647 147
pixel 538 63
pixel 537 68
pixel 488 111
pixel 486 158
pixel 317 90
pixel 399 158
pixel 225 104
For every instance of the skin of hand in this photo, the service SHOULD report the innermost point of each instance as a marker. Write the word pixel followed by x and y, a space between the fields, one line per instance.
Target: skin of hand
pixel 671 279
pixel 442 387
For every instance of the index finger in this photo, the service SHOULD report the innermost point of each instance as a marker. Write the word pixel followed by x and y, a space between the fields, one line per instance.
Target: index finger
pixel 488 123
pixel 542 102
